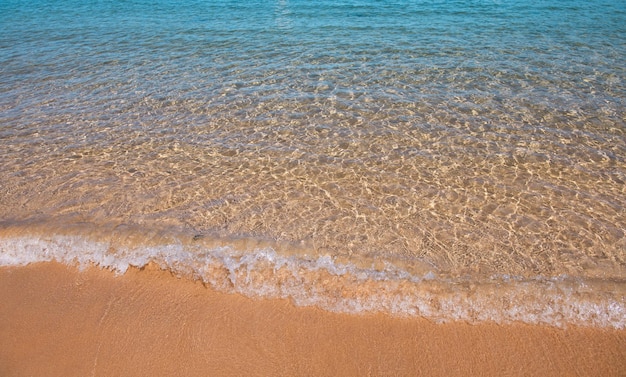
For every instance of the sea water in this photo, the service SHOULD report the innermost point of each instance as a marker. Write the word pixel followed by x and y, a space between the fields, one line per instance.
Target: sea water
pixel 455 160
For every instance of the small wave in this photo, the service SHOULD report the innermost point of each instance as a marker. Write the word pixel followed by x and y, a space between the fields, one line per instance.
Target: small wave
pixel 325 282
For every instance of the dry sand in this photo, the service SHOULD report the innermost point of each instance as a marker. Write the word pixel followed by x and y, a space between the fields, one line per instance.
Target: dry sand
pixel 57 321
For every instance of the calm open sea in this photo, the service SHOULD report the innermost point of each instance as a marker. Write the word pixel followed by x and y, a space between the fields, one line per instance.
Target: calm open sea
pixel 457 160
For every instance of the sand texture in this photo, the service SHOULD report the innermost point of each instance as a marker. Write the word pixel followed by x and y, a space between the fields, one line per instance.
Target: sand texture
pixel 58 321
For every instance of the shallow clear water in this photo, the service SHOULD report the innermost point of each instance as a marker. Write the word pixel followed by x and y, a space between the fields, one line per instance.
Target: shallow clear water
pixel 466 149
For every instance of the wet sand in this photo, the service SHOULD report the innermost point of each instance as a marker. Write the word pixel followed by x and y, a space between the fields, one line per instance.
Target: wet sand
pixel 58 321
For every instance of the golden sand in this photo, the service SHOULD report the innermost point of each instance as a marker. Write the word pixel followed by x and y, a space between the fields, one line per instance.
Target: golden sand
pixel 58 321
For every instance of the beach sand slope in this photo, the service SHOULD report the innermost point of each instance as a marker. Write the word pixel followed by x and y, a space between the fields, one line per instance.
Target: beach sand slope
pixel 58 321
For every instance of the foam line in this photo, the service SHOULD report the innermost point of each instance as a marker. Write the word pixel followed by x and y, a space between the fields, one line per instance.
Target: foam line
pixel 341 287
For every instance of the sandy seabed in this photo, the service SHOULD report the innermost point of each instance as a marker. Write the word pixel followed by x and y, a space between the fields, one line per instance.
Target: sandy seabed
pixel 58 321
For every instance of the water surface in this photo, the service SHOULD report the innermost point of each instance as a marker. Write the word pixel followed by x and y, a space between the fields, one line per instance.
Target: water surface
pixel 464 152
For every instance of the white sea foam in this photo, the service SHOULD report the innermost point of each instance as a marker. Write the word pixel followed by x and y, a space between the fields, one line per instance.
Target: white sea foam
pixel 341 287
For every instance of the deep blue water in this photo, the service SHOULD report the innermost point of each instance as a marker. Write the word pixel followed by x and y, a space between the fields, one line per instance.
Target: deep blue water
pixel 559 45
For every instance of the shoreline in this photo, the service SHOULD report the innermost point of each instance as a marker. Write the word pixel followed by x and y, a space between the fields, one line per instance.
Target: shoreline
pixel 331 282
pixel 57 320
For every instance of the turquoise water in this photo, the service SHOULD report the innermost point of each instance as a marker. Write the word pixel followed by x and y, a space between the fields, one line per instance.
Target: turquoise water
pixel 566 52
pixel 438 151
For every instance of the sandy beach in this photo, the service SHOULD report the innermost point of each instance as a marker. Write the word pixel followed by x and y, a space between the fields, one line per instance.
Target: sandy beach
pixel 58 321
pixel 312 188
